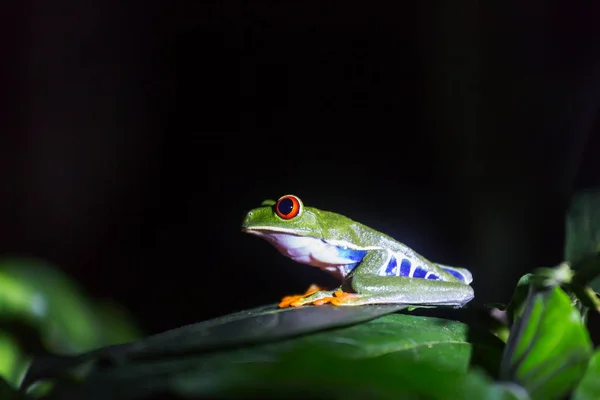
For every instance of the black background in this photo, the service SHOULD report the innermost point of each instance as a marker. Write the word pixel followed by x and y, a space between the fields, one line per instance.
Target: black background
pixel 137 134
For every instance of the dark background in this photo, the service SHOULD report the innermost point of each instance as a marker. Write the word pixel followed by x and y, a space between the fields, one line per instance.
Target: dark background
pixel 137 134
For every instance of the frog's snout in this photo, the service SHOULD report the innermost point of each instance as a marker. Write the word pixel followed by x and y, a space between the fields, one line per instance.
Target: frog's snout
pixel 246 220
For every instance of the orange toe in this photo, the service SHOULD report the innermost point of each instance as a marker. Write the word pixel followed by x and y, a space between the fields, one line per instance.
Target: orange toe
pixel 325 300
pixel 312 289
pixel 293 300
pixel 344 295
pixel 337 299
pixel 297 303
pixel 289 300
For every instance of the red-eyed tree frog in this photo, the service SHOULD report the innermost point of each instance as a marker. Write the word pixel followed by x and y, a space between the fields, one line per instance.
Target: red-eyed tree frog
pixel 374 268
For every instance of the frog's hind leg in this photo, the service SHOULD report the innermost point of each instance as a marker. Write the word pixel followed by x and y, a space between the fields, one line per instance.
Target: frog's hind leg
pixel 401 290
pixel 377 290
pixel 461 273
pixel 366 286
pixel 351 299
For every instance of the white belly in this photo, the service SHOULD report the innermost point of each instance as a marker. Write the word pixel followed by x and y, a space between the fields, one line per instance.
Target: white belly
pixel 307 250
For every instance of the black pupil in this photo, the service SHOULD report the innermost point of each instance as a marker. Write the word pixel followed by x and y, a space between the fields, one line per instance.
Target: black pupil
pixel 285 206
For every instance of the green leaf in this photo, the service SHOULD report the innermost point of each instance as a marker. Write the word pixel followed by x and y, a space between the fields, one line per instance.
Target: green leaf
pixel 582 236
pixel 48 311
pixel 583 226
pixel 13 363
pixel 549 346
pixel 42 310
pixel 39 296
pixel 295 375
pixel 262 324
pixel 589 387
pixel 8 392
pixel 514 308
pixel 393 355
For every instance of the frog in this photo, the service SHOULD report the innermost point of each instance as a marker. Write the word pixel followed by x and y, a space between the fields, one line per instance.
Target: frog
pixel 373 268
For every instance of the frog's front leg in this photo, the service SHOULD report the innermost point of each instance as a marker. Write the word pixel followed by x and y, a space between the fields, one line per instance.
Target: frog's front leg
pixel 370 288
pixel 370 264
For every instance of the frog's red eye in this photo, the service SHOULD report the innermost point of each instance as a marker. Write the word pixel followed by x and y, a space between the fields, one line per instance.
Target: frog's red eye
pixel 288 207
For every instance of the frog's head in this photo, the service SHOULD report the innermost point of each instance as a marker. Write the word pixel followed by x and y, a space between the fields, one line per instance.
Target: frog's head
pixel 304 234
pixel 296 231
pixel 284 216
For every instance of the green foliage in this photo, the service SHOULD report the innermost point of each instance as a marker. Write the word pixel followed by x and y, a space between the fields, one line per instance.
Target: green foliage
pixel 395 354
pixel 589 387
pixel 541 350
pixel 549 346
pixel 351 352
pixel 8 391
pixel 582 229
pixel 582 240
pixel 42 310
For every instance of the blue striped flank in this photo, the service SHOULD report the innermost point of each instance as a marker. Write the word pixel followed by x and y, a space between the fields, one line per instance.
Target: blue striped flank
pixel 391 267
pixel 352 254
pixel 419 273
pixel 455 273
pixel 354 257
pixel 405 267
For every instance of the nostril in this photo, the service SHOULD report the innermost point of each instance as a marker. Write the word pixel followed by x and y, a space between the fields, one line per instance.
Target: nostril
pixel 246 216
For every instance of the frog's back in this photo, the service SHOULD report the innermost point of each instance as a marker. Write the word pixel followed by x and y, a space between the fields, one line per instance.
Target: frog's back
pixel 339 228
pixel 355 240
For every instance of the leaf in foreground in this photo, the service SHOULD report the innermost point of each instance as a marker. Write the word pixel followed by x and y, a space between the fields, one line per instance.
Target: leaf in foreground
pixel 582 230
pixel 7 392
pixel 43 310
pixel 549 347
pixel 589 387
pixel 262 324
pixel 40 296
pixel 395 355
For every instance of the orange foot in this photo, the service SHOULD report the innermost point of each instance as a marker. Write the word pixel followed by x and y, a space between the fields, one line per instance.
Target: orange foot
pixel 289 300
pixel 337 299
